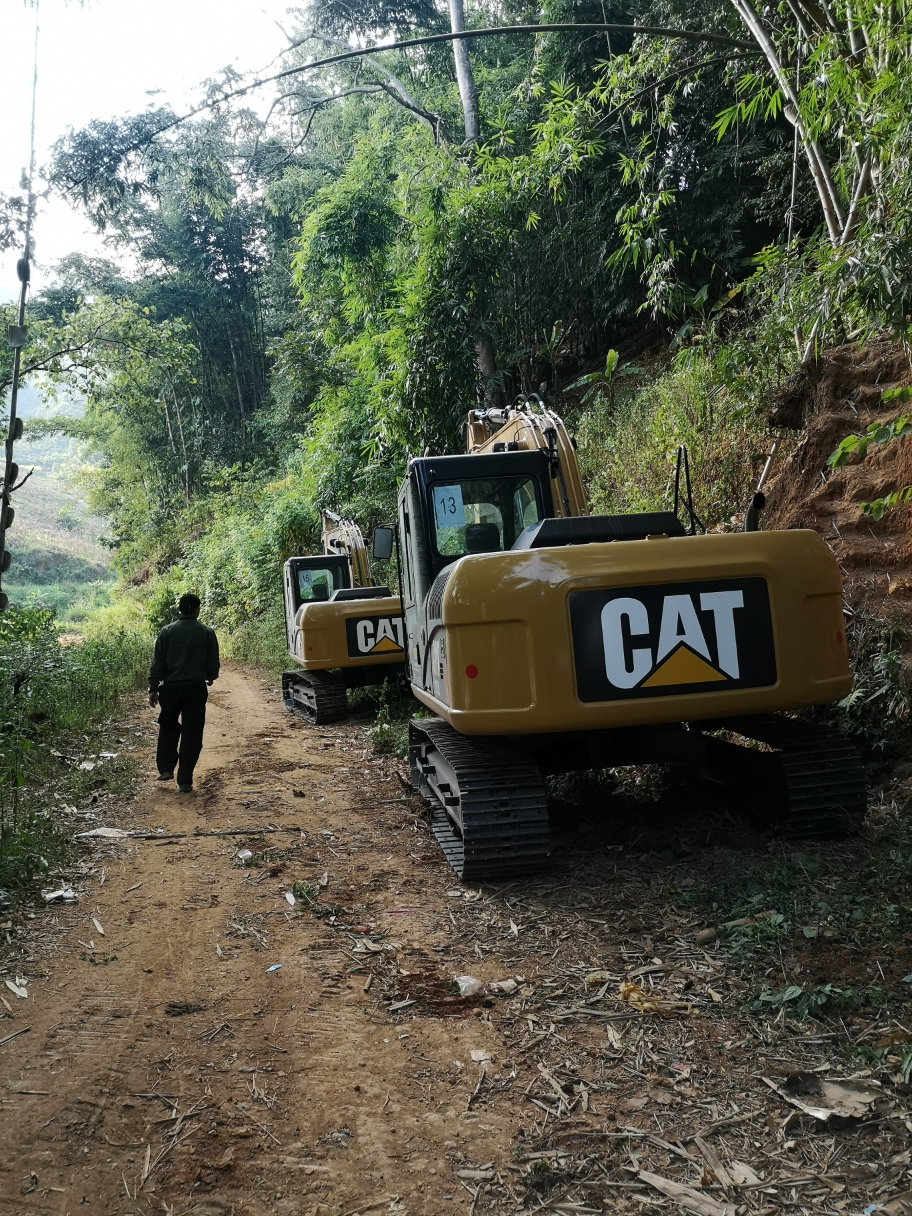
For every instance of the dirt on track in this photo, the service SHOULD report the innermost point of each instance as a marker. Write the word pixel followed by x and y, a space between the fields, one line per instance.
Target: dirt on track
pixel 199 1044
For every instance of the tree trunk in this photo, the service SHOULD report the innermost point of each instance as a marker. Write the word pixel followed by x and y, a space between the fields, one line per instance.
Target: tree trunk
pixel 817 162
pixel 468 91
pixel 180 427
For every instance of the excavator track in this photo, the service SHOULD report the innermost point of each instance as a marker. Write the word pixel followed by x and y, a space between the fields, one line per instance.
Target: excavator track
pixel 488 807
pixel 822 782
pixel 315 696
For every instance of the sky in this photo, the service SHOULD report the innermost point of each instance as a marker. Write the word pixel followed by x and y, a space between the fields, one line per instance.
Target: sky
pixel 101 59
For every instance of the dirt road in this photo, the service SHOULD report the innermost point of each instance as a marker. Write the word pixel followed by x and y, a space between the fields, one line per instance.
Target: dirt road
pixel 201 1039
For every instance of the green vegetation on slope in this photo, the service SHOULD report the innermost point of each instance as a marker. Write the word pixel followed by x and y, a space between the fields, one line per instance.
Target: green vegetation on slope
pixel 48 693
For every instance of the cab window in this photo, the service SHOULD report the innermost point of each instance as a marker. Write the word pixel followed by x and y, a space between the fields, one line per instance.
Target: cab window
pixel 319 584
pixel 483 516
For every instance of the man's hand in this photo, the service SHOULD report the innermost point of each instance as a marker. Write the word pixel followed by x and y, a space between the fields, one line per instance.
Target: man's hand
pixel 153 697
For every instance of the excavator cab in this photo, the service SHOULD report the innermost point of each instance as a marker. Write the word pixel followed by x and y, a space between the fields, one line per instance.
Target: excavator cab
pixel 451 507
pixel 310 580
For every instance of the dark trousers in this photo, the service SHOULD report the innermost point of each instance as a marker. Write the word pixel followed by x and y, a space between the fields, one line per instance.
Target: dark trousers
pixel 181 720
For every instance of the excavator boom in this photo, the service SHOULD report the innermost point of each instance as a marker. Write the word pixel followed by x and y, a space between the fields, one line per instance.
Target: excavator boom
pixel 528 426
pixel 343 537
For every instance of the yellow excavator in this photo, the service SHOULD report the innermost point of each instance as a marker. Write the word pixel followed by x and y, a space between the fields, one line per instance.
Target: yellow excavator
pixel 341 631
pixel 544 639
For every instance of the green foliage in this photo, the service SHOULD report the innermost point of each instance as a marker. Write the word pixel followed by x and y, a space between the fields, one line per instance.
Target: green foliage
pixel 47 690
pixel 880 433
pixel 878 507
pixel 72 603
pixel 392 707
pixel 260 642
pixel 800 1002
pixel 876 712
pixel 627 450
pixel 877 432
pixel 42 563
pixel 604 382
pixel 308 893
pixel 813 909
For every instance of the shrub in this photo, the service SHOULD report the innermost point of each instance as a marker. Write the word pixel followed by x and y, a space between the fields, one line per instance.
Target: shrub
pixel 47 689
pixel 627 451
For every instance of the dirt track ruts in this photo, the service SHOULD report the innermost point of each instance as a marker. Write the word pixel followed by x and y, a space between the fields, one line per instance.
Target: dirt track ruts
pixel 167 1068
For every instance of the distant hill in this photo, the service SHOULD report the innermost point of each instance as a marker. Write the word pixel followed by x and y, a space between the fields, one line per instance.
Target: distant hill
pixel 55 544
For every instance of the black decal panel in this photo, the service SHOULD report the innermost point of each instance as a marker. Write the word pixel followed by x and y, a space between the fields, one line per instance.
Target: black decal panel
pixel 671 639
pixel 374 635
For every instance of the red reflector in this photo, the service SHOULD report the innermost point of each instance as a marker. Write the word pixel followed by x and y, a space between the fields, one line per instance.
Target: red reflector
pixel 471 671
pixel 310 648
pixel 839 638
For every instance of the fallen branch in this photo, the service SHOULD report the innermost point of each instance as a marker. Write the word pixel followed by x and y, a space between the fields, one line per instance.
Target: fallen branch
pixel 15 1035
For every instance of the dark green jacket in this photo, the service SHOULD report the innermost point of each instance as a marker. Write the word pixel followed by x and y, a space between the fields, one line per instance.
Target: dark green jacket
pixel 185 651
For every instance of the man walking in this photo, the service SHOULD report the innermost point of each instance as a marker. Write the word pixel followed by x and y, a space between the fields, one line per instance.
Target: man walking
pixel 186 659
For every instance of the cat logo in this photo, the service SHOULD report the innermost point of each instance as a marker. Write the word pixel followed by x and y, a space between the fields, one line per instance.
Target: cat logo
pixel 682 638
pixel 374 635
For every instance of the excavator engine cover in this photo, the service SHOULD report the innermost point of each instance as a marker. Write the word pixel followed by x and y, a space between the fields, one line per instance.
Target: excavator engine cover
pixel 595 636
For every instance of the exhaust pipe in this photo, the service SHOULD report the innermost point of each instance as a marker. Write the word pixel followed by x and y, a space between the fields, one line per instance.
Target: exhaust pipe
pixel 752 514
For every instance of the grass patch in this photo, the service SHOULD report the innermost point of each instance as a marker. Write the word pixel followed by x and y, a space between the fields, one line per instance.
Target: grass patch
pixel 627 447
pixel 260 642
pixel 832 929
pixel 49 692
pixel 392 706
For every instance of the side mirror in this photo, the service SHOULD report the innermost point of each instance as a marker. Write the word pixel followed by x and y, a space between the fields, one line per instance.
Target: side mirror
pixel 382 548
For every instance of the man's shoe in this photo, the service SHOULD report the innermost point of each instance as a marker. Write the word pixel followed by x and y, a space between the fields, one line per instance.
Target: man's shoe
pixel 163 776
pixel 185 789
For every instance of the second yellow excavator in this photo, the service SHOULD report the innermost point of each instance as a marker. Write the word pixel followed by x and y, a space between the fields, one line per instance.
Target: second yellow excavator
pixel 342 631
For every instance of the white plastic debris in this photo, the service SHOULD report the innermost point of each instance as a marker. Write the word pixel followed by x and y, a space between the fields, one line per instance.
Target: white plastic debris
pixel 59 895
pixel 18 988
pixel 244 854
pixel 104 833
pixel 480 1057
pixel 836 1097
pixel 469 985
pixel 508 985
pixel 290 899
